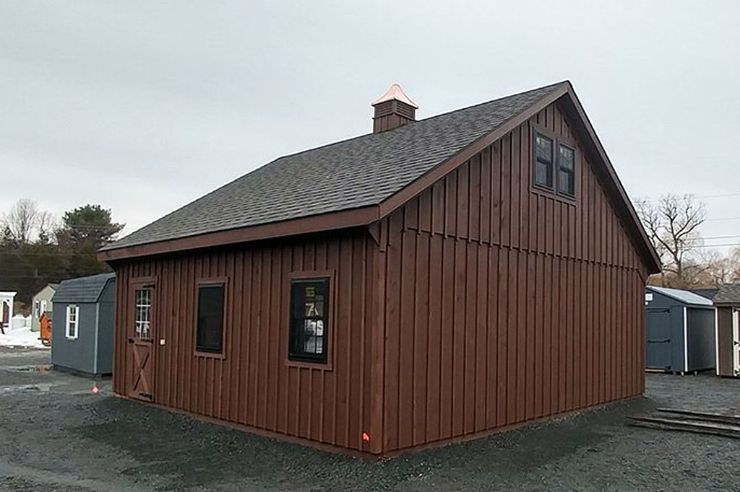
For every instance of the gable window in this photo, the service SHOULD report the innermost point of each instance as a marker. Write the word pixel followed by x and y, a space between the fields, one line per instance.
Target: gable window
pixel 554 165
pixel 567 171
pixel 143 309
pixel 210 329
pixel 309 320
pixel 543 161
pixel 72 323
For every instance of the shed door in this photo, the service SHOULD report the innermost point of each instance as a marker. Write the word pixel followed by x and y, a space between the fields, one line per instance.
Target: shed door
pixel 658 346
pixel 141 344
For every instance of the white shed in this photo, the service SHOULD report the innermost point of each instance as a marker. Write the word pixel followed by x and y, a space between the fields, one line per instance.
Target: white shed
pixel 6 309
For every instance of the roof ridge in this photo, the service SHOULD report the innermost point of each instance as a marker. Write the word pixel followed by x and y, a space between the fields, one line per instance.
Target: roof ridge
pixel 428 118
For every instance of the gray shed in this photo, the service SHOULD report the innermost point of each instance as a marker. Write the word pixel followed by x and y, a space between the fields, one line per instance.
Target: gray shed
pixel 680 331
pixel 82 327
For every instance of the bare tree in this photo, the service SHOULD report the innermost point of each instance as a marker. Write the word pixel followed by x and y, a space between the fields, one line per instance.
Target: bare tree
pixel 673 226
pixel 22 220
pixel 46 225
pixel 712 270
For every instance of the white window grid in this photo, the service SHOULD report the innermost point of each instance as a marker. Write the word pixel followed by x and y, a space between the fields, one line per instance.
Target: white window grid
pixel 143 310
pixel 73 317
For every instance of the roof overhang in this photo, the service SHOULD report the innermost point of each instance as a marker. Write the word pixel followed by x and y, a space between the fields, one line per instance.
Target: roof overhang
pixel 367 215
pixel 304 225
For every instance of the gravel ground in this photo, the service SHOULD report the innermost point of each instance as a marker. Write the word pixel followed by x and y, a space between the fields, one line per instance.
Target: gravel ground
pixel 56 435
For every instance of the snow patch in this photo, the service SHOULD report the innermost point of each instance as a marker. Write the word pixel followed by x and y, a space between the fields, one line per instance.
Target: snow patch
pixel 21 336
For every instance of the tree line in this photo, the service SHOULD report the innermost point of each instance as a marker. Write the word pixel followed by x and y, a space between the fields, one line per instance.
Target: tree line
pixel 36 249
pixel 673 224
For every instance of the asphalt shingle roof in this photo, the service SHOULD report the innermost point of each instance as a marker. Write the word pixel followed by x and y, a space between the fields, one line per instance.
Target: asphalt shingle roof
pixel 82 289
pixel 708 293
pixel 354 173
pixel 728 294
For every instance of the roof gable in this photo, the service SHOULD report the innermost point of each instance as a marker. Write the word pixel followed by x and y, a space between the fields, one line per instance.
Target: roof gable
pixel 361 180
pixel 82 289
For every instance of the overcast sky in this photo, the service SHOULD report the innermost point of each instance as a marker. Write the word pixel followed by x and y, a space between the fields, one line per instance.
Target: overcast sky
pixel 144 106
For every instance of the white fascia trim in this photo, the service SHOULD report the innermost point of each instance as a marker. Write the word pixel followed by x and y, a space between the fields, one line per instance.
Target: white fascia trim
pixel 685 341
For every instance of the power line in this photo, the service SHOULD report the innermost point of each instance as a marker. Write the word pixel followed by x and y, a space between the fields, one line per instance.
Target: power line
pixel 703 197
pixel 722 218
pixel 715 245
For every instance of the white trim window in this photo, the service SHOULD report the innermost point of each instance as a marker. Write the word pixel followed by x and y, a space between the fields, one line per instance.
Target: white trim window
pixel 73 321
pixel 143 313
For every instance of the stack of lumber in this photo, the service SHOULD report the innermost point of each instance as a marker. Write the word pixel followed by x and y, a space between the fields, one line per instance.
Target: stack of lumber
pixel 673 419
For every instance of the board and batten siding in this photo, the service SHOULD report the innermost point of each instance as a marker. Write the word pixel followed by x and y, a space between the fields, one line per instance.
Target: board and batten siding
pixel 252 385
pixel 479 304
pixel 505 304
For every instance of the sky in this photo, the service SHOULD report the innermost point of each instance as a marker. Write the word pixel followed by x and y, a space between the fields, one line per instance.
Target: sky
pixel 143 106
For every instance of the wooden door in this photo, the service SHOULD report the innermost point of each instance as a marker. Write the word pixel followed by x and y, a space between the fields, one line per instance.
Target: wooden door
pixel 141 344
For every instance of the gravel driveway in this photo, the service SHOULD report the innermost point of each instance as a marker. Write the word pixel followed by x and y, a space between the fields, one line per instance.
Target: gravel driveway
pixel 57 435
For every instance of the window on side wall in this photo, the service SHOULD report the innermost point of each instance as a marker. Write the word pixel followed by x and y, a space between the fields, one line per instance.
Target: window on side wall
pixel 210 329
pixel 72 323
pixel 309 320
pixel 543 164
pixel 567 171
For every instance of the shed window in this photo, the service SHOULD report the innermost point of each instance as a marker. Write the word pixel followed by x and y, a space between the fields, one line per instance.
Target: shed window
pixel 143 313
pixel 309 320
pixel 210 330
pixel 543 161
pixel 567 174
pixel 73 317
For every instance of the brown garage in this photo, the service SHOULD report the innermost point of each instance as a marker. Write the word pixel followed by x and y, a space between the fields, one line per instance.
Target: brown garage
pixel 431 281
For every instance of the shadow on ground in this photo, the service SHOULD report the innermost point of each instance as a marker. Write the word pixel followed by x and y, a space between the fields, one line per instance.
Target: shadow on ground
pixel 66 440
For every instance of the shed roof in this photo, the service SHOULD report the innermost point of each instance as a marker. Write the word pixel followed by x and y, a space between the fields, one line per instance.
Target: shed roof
pixel 708 293
pixel 728 294
pixel 345 175
pixel 358 181
pixel 82 289
pixel 51 286
pixel 684 296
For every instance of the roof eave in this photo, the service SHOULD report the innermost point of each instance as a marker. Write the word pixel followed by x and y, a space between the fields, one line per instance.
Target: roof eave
pixel 304 225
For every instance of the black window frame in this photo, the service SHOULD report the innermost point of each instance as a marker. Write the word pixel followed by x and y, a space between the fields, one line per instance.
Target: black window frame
pixel 556 165
pixel 199 318
pixel 296 327
pixel 537 160
pixel 572 172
